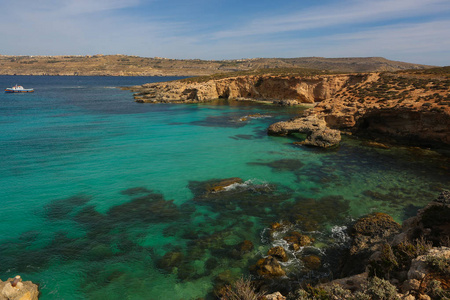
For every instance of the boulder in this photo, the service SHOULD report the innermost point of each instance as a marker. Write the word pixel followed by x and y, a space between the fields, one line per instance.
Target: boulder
pixel 279 253
pixel 15 289
pixel 323 138
pixel 368 235
pixel 268 267
pixel 370 231
pixel 298 240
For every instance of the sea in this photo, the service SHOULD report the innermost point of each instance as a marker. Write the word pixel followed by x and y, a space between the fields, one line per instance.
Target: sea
pixel 105 198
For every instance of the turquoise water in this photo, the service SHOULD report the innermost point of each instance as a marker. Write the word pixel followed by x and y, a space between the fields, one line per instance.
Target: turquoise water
pixel 105 197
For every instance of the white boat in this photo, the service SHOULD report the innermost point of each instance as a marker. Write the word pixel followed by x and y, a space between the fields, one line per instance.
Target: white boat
pixel 18 89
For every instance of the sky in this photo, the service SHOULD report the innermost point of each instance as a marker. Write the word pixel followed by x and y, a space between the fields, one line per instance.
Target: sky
pixel 416 31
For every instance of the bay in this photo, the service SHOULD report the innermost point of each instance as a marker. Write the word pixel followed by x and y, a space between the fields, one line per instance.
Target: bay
pixel 105 197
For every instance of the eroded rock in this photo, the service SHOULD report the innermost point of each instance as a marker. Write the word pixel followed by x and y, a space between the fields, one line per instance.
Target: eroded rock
pixel 279 253
pixel 16 289
pixel 268 267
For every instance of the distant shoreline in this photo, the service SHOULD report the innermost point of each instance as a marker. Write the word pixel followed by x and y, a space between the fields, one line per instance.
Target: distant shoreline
pixel 123 65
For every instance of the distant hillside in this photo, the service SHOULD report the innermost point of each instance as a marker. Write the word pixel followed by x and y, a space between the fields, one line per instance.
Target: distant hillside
pixel 123 65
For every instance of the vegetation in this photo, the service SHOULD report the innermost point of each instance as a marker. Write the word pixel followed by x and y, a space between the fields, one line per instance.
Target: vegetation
pixel 439 264
pixel 242 289
pixel 374 289
pixel 272 71
pixel 134 65
pixel 395 259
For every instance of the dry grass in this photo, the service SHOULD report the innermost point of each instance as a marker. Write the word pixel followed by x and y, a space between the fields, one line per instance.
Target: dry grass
pixel 242 289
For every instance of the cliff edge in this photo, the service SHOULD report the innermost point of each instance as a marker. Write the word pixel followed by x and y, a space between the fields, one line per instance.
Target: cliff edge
pixel 410 107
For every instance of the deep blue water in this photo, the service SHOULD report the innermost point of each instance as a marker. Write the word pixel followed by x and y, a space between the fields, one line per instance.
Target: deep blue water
pixel 105 197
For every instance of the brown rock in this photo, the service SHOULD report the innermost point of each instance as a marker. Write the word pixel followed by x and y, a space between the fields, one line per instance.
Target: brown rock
pixel 323 138
pixel 276 226
pixel 25 290
pixel 222 184
pixel 370 230
pixel 297 240
pixel 268 267
pixel 279 253
pixel 312 262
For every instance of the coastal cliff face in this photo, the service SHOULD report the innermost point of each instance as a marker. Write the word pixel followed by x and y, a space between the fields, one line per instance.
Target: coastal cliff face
pixel 407 108
pixel 290 89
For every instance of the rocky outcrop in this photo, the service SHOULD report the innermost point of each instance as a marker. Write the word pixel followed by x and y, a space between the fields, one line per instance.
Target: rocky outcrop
pixel 284 90
pixel 268 267
pixel 386 261
pixel 414 111
pixel 16 289
pixel 316 129
pixel 279 253
pixel 410 109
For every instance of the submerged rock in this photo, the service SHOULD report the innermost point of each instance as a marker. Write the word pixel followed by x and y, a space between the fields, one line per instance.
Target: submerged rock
pixel 242 248
pixel 312 262
pixel 170 260
pixel 218 186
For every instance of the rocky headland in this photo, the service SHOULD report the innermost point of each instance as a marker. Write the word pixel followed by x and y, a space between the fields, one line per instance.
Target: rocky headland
pixel 411 107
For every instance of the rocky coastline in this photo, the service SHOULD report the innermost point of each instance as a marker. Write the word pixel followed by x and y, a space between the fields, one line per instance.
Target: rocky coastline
pixel 382 260
pixel 408 109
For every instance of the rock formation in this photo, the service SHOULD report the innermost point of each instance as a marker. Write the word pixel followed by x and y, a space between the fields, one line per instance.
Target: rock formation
pixel 16 289
pixel 287 89
pixel 383 261
pixel 316 129
pixel 409 108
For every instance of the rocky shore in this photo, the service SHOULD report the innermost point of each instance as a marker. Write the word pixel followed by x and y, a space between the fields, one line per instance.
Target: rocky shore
pixel 382 260
pixel 405 108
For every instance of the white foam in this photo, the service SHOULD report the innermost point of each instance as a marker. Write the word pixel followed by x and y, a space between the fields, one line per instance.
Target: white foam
pixel 339 234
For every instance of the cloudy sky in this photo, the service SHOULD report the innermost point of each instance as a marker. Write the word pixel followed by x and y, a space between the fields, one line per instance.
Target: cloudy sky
pixel 407 30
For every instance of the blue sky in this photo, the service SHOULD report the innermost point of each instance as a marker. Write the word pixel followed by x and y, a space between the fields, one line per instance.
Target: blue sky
pixel 406 30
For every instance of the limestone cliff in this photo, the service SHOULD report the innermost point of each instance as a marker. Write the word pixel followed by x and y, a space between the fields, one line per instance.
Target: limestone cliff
pixel 412 110
pixel 295 89
pixel 409 108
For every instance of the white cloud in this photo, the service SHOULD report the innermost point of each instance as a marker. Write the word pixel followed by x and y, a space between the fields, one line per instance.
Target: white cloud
pixel 345 12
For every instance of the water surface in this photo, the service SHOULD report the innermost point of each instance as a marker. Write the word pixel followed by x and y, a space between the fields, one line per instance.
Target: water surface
pixel 105 197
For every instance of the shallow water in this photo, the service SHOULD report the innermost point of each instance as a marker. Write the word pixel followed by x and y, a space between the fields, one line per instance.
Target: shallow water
pixel 105 197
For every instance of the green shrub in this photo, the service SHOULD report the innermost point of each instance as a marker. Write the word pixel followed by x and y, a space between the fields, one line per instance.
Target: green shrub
pixel 380 289
pixel 439 264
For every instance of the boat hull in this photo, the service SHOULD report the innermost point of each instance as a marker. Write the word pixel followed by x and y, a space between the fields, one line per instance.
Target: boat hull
pixel 19 91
